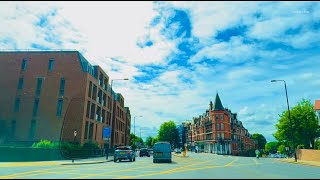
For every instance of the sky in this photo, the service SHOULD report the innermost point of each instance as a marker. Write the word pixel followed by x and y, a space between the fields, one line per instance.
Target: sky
pixel 178 55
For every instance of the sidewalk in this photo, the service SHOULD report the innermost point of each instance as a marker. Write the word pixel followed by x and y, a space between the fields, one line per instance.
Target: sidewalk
pixel 310 163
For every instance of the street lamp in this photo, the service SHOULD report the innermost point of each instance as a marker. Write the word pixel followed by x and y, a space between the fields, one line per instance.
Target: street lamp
pixel 134 124
pixel 111 109
pixel 294 148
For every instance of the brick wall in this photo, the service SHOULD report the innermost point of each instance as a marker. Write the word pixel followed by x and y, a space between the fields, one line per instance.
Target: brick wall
pixel 308 154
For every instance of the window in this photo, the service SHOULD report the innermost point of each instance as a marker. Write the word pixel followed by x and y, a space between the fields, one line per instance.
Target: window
pixel 32 129
pixel 93 109
pixel 103 116
pixel 221 117
pixel 86 130
pixel 217 126
pixel 20 84
pixel 101 79
pixel 90 131
pixel 94 93
pixel 104 100
pixel 99 97
pixel 105 84
pixel 98 113
pixel 222 135
pixel 90 89
pixel 35 107
pixel 88 109
pixel 218 135
pixel 217 116
pixel 62 84
pixel 51 63
pixel 24 64
pixel 17 105
pixel 59 107
pixel 222 126
pixel 39 85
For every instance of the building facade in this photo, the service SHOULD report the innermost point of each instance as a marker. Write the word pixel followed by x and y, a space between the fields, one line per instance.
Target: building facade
pixel 58 96
pixel 182 135
pixel 219 131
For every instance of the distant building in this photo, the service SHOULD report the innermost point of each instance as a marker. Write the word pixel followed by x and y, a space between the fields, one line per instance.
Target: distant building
pixel 182 135
pixel 219 131
pixel 51 94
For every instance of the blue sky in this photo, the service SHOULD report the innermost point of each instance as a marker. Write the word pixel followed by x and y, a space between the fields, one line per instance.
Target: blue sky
pixel 177 55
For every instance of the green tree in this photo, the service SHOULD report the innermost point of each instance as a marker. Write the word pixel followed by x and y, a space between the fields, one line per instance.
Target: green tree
pixel 282 149
pixel 134 140
pixel 271 147
pixel 317 144
pixel 168 132
pixel 149 141
pixel 154 140
pixel 261 140
pixel 304 126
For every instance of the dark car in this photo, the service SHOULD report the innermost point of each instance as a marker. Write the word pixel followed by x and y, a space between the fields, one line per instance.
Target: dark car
pixel 144 152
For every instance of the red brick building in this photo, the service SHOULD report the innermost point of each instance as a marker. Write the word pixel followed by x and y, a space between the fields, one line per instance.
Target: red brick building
pixel 219 131
pixel 51 94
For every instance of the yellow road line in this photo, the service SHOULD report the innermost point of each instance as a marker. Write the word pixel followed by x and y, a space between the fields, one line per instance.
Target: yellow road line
pixel 169 171
pixel 19 164
pixel 229 164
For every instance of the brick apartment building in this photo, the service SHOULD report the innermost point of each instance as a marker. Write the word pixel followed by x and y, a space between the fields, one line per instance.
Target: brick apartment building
pixel 219 131
pixel 51 94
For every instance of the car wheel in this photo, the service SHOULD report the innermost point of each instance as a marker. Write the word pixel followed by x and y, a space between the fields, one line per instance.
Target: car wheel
pixel 130 159
pixel 134 159
pixel 154 161
pixel 114 160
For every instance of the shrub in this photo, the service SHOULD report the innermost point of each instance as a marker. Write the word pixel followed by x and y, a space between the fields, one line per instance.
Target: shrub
pixel 300 146
pixel 46 144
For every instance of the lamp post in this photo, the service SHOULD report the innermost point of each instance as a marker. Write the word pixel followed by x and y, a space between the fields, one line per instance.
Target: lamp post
pixel 134 124
pixel 111 109
pixel 292 137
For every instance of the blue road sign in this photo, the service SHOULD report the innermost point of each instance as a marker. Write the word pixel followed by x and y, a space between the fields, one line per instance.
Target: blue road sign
pixel 106 132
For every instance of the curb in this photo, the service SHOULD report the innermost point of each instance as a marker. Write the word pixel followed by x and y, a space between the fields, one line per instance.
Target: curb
pixel 302 163
pixel 90 162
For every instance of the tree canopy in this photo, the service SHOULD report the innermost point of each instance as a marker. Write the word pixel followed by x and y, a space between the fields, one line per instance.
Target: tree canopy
pixel 271 147
pixel 168 132
pixel 134 140
pixel 303 128
pixel 261 140
pixel 149 141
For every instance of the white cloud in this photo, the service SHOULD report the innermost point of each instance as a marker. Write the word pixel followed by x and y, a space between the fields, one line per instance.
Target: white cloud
pixel 105 30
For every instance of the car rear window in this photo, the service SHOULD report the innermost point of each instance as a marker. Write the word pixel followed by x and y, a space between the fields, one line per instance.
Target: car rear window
pixel 123 148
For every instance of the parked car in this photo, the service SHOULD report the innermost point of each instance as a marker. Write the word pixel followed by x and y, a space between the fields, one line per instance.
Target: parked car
pixel 144 152
pixel 177 150
pixel 162 152
pixel 124 153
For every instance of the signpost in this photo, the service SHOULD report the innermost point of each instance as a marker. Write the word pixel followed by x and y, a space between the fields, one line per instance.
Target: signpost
pixel 106 138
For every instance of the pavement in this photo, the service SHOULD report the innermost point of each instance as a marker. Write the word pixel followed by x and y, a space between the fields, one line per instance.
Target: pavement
pixel 195 166
pixel 302 162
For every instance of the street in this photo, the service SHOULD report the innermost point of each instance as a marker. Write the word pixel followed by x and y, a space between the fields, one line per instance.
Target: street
pixel 201 166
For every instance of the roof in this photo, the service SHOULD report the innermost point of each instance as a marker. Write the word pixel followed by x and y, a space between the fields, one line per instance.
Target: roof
pixel 217 103
pixel 317 105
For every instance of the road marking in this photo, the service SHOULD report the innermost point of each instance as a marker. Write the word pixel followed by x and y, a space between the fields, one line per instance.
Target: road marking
pixel 18 164
pixel 23 174
pixel 229 164
pixel 175 170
